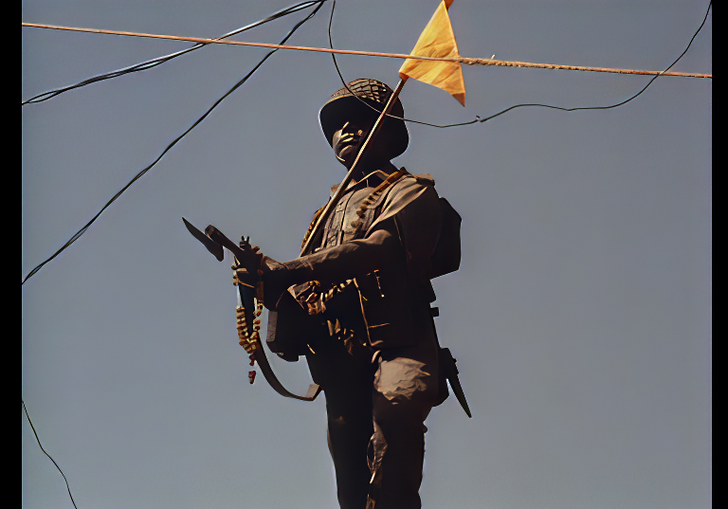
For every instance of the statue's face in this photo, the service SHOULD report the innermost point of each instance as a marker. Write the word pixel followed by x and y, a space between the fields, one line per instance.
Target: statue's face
pixel 347 141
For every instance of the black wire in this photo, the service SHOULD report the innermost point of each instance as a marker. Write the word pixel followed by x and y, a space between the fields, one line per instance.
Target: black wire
pixel 149 64
pixel 80 232
pixel 27 416
pixel 478 119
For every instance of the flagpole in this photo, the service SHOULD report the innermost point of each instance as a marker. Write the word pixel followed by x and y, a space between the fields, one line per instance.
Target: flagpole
pixel 349 176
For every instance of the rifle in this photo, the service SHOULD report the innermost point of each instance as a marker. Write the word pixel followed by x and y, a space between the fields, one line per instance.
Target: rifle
pixel 215 242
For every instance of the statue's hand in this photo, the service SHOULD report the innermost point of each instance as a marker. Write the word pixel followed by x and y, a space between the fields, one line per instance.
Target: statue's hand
pixel 242 276
pixel 248 265
pixel 245 255
pixel 249 257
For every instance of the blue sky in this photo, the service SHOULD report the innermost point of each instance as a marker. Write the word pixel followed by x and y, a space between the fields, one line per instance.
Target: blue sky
pixel 580 317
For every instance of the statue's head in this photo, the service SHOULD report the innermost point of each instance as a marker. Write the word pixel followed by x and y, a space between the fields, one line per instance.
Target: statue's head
pixel 350 113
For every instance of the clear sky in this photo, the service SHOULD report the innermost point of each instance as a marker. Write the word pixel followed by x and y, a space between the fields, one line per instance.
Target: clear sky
pixel 580 317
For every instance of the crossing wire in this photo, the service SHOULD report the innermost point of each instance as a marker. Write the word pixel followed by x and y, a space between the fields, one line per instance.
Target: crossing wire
pixel 149 64
pixel 37 439
pixel 80 232
pixel 139 175
pixel 333 52
pixel 478 119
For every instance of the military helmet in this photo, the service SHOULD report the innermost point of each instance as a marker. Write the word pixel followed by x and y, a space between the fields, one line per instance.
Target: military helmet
pixel 342 106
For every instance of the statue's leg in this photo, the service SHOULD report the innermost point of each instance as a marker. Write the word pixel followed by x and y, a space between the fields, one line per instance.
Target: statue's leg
pixel 405 390
pixel 347 387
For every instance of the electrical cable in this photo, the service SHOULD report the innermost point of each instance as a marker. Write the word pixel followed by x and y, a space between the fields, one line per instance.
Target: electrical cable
pixel 149 64
pixel 37 439
pixel 489 62
pixel 139 175
pixel 478 119
pixel 80 232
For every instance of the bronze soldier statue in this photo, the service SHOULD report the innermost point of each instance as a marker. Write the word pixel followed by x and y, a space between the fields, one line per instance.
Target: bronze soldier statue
pixel 357 305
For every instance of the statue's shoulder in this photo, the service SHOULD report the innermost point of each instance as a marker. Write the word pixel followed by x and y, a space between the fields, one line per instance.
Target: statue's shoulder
pixel 424 179
pixel 410 188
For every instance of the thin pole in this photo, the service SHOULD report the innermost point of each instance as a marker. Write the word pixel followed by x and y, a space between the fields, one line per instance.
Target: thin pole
pixel 347 179
pixel 462 60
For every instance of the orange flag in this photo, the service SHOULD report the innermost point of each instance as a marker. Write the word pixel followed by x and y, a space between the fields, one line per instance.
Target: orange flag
pixel 437 40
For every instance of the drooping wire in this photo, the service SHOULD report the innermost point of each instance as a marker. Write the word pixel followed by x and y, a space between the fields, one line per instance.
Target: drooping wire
pixel 139 175
pixel 149 64
pixel 478 119
pixel 37 439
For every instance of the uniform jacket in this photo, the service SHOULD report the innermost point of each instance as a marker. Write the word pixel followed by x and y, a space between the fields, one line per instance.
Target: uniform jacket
pixel 371 263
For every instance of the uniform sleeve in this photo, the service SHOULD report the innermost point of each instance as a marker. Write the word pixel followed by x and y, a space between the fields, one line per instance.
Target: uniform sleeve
pixel 415 208
pixel 346 261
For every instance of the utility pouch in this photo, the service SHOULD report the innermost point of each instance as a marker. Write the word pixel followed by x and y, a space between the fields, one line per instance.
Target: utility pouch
pixel 291 328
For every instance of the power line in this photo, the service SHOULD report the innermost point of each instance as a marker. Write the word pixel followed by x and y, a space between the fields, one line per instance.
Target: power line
pixel 580 108
pixel 149 64
pixel 333 52
pixel 139 175
pixel 37 439
pixel 462 60
pixel 478 119
pixel 80 232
